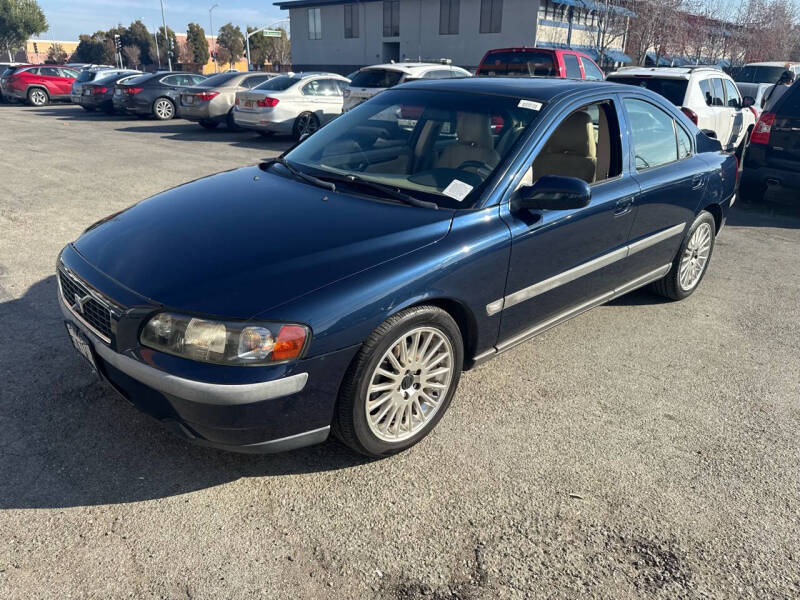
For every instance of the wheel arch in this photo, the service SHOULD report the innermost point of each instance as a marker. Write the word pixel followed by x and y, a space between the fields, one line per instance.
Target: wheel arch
pixel 716 212
pixel 463 317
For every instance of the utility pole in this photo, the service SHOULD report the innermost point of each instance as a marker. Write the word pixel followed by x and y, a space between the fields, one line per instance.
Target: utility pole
pixel 158 53
pixel 166 35
pixel 211 27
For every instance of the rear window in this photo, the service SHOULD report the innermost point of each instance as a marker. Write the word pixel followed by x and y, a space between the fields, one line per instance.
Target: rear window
pixel 218 80
pixel 376 78
pixel 140 79
pixel 759 74
pixel 518 64
pixel 673 90
pixel 278 84
pixel 87 76
pixel 790 107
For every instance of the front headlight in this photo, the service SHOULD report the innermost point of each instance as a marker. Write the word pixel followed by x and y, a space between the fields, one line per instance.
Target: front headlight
pixel 224 342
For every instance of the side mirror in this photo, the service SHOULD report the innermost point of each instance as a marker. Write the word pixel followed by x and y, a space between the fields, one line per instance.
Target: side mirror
pixel 553 192
pixel 710 133
pixel 748 101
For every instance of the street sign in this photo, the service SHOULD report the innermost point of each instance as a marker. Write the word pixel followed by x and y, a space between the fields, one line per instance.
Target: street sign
pixel 272 33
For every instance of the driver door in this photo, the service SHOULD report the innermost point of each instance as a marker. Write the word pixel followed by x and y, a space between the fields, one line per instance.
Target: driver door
pixel 564 261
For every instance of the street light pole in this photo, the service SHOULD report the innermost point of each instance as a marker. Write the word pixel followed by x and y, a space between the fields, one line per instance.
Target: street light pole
pixel 166 36
pixel 211 27
pixel 158 53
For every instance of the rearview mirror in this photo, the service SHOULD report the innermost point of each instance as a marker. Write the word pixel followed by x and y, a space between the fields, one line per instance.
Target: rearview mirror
pixel 553 192
pixel 748 101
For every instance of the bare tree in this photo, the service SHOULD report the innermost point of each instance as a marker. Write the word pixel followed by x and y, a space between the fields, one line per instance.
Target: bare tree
pixel 133 56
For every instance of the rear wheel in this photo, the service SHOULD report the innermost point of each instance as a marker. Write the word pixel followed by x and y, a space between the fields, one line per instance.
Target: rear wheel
pixel 400 383
pixel 691 262
pixel 305 123
pixel 163 109
pixel 38 97
pixel 208 124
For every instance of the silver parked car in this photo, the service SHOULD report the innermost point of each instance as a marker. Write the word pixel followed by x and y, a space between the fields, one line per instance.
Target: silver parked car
pixel 89 75
pixel 210 102
pixel 291 104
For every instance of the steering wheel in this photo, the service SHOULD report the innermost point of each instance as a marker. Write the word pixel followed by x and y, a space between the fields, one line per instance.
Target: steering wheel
pixel 363 161
pixel 482 168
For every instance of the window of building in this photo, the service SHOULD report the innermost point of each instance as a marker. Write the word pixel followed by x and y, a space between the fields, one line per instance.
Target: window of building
pixel 491 16
pixel 391 18
pixel 350 21
pixel 448 16
pixel 314 24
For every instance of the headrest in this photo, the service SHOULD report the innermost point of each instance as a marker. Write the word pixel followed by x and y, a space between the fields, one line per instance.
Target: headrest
pixel 574 136
pixel 474 129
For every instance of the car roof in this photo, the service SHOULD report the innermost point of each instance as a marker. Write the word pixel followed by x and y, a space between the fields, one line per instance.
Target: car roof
pixel 538 88
pixel 790 63
pixel 666 72
pixel 409 67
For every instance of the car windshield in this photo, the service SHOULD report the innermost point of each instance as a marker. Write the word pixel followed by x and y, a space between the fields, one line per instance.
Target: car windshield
pixel 278 84
pixel 376 78
pixel 218 80
pixel 754 74
pixel 437 146
pixel 673 90
pixel 518 64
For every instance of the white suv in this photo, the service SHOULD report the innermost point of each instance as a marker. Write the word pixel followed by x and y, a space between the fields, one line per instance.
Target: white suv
pixel 706 95
pixel 368 81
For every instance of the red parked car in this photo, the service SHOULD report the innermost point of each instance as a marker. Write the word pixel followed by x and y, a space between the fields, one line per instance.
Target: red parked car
pixel 39 84
pixel 538 62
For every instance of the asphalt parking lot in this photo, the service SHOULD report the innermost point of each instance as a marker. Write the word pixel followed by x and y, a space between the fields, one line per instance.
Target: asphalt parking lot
pixel 646 449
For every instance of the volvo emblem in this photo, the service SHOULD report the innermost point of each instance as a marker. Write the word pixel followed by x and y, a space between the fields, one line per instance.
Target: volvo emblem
pixel 80 302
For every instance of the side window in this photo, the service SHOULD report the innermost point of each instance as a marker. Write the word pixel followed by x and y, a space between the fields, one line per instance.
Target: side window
pixel 195 79
pixel 573 69
pixel 585 145
pixel 591 70
pixel 684 143
pixel 171 80
pixel 652 133
pixel 705 87
pixel 68 73
pixel 312 88
pixel 328 87
pixel 732 94
pixel 717 94
pixel 49 72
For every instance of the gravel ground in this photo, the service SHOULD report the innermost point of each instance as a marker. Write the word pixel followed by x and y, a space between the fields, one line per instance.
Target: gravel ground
pixel 646 449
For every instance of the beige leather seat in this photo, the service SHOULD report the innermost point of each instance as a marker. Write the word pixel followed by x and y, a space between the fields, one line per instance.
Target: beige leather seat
pixel 474 143
pixel 570 152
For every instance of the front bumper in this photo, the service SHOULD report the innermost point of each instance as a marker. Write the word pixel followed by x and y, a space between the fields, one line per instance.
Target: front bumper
pixel 288 406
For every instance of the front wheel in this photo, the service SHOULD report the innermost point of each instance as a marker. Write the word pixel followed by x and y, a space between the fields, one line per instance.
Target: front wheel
pixel 163 109
pixel 38 97
pixel 400 382
pixel 691 262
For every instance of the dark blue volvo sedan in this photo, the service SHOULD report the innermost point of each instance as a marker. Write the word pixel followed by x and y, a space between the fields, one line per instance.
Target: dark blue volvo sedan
pixel 346 285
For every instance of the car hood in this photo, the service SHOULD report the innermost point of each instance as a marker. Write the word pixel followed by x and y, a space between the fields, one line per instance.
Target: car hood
pixel 240 242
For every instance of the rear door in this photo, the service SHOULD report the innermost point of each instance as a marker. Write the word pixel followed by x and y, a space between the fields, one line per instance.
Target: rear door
pixel 723 116
pixel 783 151
pixel 733 105
pixel 52 80
pixel 329 98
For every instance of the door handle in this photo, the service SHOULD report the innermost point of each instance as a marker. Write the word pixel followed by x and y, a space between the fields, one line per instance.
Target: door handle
pixel 623 206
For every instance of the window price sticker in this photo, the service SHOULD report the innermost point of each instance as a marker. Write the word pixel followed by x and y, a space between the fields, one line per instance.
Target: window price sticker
pixel 458 190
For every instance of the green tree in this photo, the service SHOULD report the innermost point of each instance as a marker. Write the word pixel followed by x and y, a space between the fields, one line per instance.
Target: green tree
pixel 56 55
pixel 138 35
pixel 167 46
pixel 94 49
pixel 197 44
pixel 232 39
pixel 19 20
pixel 270 50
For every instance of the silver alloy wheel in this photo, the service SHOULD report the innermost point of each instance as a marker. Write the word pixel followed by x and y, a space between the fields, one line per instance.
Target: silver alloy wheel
pixel 308 123
pixel 695 257
pixel 38 97
pixel 409 384
pixel 164 109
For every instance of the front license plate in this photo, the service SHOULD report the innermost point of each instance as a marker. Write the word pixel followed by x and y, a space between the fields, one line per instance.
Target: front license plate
pixel 82 345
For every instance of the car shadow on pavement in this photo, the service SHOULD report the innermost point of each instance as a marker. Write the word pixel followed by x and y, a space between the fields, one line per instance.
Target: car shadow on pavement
pixel 68 440
pixel 76 113
pixel 184 131
pixel 771 212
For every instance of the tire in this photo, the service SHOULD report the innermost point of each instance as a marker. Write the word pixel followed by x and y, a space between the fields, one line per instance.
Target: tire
pixel 422 400
pixel 208 124
pixel 691 262
pixel 230 123
pixel 163 109
pixel 305 123
pixel 38 97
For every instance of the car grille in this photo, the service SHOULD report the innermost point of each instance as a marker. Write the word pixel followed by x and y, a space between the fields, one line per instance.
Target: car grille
pixel 96 314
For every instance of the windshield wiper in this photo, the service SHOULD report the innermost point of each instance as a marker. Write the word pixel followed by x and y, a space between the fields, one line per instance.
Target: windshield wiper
pixel 297 173
pixel 387 190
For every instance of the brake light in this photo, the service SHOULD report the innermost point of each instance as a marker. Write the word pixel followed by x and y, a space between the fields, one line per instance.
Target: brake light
pixel 134 90
pixel 99 90
pixel 763 129
pixel 206 96
pixel 691 114
pixel 268 102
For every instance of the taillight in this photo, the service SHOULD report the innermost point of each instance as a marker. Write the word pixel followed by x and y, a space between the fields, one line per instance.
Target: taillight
pixel 691 114
pixel 134 90
pixel 763 128
pixel 268 102
pixel 206 96
pixel 99 90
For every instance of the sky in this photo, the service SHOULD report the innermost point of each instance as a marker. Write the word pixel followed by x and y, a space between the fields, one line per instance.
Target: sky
pixel 70 18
